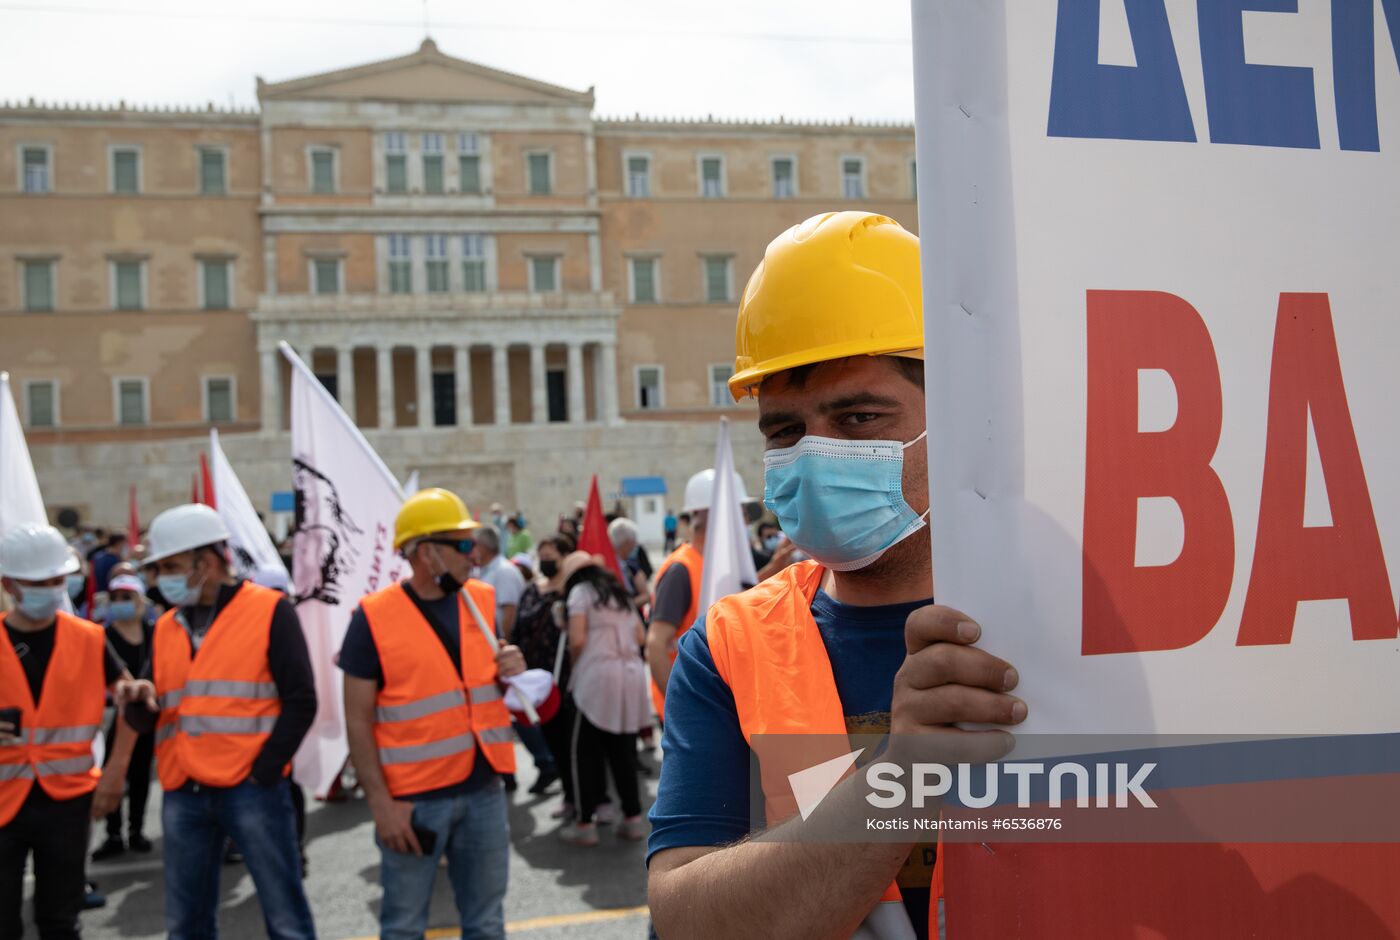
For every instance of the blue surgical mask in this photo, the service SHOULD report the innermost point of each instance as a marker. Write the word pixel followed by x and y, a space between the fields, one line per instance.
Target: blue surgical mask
pixel 122 610
pixel 41 603
pixel 176 589
pixel 841 501
pixel 74 584
pixel 772 543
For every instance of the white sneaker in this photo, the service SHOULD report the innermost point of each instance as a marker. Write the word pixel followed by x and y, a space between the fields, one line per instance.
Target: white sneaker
pixel 605 813
pixel 582 834
pixel 633 829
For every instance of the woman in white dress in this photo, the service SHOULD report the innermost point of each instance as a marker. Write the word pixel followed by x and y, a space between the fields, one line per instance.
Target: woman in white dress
pixel 609 686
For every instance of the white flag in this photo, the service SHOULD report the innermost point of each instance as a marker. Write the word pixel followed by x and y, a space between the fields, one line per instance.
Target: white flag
pixel 346 501
pixel 728 558
pixel 20 501
pixel 252 547
pixel 410 486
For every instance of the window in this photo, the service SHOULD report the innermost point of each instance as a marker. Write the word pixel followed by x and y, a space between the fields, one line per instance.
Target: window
pixel 323 170
pixel 432 163
pixel 717 278
pixel 852 178
pixel 437 264
pixel 544 274
pixel 128 286
pixel 473 263
pixel 131 401
pixel 325 275
pixel 41 403
pixel 212 171
pixel 469 163
pixel 719 385
pixel 400 265
pixel 38 285
pixel 395 164
pixel 784 177
pixel 215 283
pixel 712 177
pixel 638 176
pixel 126 170
pixel 539 171
pixel 648 387
pixel 444 399
pixel 36 170
pixel 218 400
pixel 643 280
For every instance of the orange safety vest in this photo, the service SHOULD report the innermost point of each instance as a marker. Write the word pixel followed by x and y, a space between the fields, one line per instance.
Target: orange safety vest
pixel 429 720
pixel 694 563
pixel 767 648
pixel 217 708
pixel 57 734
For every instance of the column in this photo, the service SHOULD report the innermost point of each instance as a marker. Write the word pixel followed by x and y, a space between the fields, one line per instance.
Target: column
pixel 500 381
pixel 384 379
pixel 595 262
pixel 577 413
pixel 423 366
pixel 539 397
pixel 607 381
pixel 462 362
pixel 271 392
pixel 345 380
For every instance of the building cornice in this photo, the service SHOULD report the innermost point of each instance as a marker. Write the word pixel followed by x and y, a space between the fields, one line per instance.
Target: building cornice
pixel 39 112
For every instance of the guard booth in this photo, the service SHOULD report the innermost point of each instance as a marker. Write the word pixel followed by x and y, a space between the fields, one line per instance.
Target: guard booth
pixel 647 507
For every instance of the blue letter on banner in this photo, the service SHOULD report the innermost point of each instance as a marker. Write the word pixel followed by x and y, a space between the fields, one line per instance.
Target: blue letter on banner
pixel 1263 105
pixel 1146 102
pixel 1354 68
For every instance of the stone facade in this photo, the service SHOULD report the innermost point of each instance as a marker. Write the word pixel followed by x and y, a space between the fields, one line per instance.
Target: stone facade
pixel 484 273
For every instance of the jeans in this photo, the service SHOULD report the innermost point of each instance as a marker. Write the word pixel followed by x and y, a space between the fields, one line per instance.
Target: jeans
pixel 56 832
pixel 472 829
pixel 194 820
pixel 534 740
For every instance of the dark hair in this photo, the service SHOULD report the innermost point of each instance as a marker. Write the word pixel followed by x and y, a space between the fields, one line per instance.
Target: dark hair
pixel 911 369
pixel 605 584
pixel 560 543
pixel 765 524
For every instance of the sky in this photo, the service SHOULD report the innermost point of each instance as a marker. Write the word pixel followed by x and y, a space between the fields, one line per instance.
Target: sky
pixel 813 60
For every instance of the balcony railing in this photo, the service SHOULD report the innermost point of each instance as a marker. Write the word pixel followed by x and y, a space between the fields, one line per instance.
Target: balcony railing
pixel 378 306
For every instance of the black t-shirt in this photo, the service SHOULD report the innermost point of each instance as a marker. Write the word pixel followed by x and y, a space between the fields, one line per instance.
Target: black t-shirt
pixel 36 649
pixel 137 656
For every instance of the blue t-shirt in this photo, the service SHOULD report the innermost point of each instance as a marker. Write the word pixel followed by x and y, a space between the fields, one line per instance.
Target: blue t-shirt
pixel 703 796
pixel 359 657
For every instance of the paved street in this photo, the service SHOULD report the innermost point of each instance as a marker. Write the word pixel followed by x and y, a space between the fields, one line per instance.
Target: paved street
pixel 555 890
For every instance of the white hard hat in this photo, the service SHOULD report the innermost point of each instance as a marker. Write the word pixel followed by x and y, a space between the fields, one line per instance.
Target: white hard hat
pixel 36 553
pixel 182 529
pixel 701 487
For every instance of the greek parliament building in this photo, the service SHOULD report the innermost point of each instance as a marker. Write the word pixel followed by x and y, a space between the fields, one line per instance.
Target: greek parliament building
pixel 504 291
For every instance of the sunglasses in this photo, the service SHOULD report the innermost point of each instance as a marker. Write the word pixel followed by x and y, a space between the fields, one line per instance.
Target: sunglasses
pixel 462 545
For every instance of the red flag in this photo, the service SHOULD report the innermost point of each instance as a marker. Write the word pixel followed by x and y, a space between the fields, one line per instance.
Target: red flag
pixel 133 522
pixel 208 482
pixel 594 537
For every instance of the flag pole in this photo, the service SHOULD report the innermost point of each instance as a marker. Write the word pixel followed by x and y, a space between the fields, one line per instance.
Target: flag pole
pixel 490 635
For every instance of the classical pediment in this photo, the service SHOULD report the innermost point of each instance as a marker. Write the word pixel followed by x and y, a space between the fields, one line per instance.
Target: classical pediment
pixel 425 75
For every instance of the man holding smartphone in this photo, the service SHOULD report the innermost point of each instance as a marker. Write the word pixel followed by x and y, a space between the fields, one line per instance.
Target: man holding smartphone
pixel 428 727
pixel 55 670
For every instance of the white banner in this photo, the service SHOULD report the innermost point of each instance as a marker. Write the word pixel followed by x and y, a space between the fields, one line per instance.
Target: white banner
pixel 20 500
pixel 252 547
pixel 728 558
pixel 346 502
pixel 1162 318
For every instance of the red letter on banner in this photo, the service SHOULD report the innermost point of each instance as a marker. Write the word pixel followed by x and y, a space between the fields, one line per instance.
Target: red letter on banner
pixel 1293 562
pixel 1129 608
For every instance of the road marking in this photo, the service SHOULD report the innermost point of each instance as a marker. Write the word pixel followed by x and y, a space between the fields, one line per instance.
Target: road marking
pixel 540 923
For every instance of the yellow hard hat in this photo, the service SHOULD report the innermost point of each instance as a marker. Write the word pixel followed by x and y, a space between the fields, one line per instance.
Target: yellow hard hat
pixel 429 512
pixel 839 284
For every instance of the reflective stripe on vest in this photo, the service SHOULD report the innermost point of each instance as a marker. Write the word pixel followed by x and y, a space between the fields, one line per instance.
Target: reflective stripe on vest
pixel 767 648
pixel 431 720
pixel 55 745
pixel 217 706
pixel 694 564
